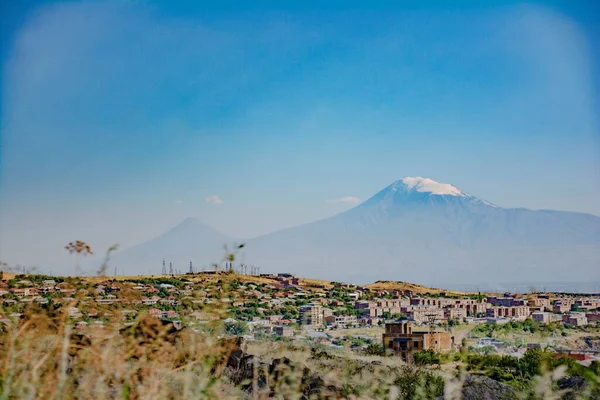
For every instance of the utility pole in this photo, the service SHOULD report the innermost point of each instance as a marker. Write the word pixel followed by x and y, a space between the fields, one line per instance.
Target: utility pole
pixel 431 318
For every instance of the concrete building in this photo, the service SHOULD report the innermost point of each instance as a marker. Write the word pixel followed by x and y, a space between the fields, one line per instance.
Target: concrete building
pixel 472 307
pixel 400 339
pixel 561 308
pixel 562 305
pixel 541 317
pixel 575 319
pixel 506 301
pixel 541 302
pixel 377 307
pixel 514 312
pixel 354 296
pixel 422 314
pixel 285 331
pixel 327 312
pixel 593 317
pixel 311 315
pixel 588 303
pixel 341 321
pixel 459 314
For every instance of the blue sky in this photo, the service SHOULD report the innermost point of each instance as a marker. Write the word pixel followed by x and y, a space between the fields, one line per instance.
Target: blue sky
pixel 119 119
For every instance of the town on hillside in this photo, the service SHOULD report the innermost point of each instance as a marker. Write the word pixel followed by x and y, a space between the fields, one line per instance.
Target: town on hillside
pixel 400 319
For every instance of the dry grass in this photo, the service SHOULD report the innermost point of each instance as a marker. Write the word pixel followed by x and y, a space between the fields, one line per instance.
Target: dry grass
pixel 417 289
pixel 44 358
pixel 374 332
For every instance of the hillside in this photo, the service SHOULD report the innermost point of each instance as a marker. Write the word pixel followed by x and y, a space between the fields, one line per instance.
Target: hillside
pixel 417 289
pixel 314 284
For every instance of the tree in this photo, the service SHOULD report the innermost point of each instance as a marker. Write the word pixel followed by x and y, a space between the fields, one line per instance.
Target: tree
pixel 374 349
pixel 426 357
pixel 237 328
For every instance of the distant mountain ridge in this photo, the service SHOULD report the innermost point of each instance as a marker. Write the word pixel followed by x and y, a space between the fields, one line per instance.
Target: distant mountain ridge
pixel 190 240
pixel 418 230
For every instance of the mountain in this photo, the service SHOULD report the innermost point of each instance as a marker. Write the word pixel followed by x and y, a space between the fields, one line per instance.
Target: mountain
pixel 423 231
pixel 415 230
pixel 191 240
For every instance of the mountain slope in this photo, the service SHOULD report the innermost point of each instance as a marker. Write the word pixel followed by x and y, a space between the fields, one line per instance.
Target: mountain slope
pixel 420 230
pixel 415 230
pixel 191 240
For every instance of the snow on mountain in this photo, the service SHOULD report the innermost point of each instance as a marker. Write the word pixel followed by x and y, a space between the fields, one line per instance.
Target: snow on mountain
pixel 427 185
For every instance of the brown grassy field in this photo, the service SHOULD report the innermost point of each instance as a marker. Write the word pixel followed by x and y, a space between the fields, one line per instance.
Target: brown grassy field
pixel 417 289
pixel 304 282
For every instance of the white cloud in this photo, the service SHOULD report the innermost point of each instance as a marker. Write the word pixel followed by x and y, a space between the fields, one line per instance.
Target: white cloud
pixel 214 199
pixel 178 201
pixel 345 200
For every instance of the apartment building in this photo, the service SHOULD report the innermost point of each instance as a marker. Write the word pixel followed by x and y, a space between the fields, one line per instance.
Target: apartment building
pixel 455 313
pixel 506 301
pixel 377 307
pixel 311 315
pixel 421 315
pixel 341 321
pixel 562 305
pixel 541 317
pixel 540 302
pixel 403 341
pixel 575 319
pixel 471 306
pixel 588 303
pixel 515 312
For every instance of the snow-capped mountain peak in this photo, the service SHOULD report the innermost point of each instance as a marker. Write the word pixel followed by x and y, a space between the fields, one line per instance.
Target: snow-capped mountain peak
pixel 422 190
pixel 426 185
